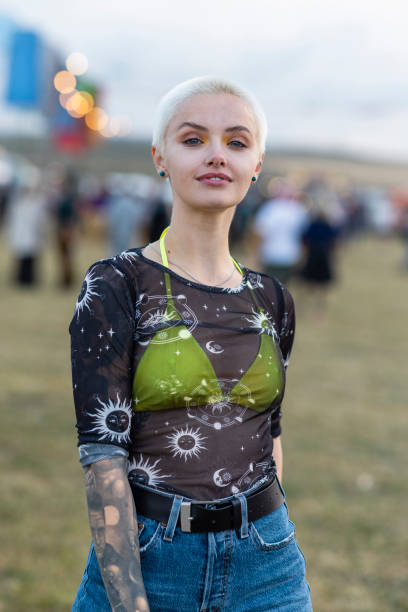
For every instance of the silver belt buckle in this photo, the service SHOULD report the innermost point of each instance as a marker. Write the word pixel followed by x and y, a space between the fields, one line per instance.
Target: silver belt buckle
pixel 185 512
pixel 185 516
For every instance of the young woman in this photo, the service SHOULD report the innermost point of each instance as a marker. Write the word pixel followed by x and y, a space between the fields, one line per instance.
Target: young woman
pixel 178 359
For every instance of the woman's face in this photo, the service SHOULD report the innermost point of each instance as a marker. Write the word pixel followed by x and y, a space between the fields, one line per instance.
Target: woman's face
pixel 210 135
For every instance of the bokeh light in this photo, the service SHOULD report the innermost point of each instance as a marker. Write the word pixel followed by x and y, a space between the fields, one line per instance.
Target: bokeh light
pixel 89 98
pixel 77 63
pixel 80 103
pixel 96 119
pixel 64 81
pixel 125 126
pixel 64 97
pixel 115 126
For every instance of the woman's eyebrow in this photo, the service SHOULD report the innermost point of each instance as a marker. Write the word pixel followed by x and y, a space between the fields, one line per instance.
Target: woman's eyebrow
pixel 197 126
pixel 238 128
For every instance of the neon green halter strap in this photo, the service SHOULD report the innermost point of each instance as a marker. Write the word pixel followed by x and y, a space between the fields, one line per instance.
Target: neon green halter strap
pixel 166 261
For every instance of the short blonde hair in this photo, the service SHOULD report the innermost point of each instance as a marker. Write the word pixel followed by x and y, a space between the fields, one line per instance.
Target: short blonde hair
pixel 204 85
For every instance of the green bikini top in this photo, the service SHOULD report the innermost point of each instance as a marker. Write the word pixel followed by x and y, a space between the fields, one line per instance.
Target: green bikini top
pixel 174 371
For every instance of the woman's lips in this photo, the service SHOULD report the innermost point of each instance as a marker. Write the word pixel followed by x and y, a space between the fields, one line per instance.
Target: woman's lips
pixel 213 178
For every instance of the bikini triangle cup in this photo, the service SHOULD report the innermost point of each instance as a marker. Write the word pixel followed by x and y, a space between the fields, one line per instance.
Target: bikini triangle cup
pixel 174 371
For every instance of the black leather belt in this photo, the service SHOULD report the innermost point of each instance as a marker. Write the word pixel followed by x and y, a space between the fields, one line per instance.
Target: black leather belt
pixel 195 517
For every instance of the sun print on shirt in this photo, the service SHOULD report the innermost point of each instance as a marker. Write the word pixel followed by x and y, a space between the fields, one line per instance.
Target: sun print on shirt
pixel 87 293
pixel 261 321
pixel 113 420
pixel 145 472
pixel 186 443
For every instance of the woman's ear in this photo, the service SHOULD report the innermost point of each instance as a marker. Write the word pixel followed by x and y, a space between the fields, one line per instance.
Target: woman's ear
pixel 259 165
pixel 157 159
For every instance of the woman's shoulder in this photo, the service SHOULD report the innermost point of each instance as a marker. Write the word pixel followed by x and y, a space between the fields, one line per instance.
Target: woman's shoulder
pixel 117 275
pixel 123 265
pixel 269 287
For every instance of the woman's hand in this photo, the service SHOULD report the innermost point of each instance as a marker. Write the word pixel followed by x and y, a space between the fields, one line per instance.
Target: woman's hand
pixel 113 522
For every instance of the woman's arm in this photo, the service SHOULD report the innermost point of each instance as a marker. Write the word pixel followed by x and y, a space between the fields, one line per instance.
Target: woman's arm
pixel 113 522
pixel 278 456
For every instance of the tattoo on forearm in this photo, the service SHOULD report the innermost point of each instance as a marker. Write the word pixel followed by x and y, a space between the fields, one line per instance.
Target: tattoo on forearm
pixel 113 523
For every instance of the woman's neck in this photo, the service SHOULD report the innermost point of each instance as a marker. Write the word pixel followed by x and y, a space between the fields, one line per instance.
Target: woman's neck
pixel 198 242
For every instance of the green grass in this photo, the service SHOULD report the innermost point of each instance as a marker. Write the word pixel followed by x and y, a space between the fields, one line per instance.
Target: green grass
pixel 344 425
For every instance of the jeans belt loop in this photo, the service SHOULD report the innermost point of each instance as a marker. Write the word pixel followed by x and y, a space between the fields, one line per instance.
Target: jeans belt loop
pixel 172 522
pixel 244 515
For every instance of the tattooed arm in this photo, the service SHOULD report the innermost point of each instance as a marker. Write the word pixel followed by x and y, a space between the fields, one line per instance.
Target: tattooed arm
pixel 113 522
pixel 278 456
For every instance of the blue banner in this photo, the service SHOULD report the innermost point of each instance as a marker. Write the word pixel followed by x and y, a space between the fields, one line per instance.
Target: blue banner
pixel 25 78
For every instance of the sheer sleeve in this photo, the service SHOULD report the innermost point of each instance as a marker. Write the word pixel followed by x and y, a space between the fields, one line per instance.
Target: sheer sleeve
pixel 286 337
pixel 102 333
pixel 92 452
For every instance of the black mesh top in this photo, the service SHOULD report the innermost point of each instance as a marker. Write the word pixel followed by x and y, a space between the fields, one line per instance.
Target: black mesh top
pixel 188 378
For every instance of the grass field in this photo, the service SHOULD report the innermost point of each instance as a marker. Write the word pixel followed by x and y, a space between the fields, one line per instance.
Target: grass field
pixel 345 440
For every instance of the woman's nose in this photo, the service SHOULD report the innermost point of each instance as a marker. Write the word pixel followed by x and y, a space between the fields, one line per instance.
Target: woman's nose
pixel 216 157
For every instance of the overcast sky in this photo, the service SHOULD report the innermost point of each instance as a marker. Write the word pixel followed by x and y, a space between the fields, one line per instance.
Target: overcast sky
pixel 328 73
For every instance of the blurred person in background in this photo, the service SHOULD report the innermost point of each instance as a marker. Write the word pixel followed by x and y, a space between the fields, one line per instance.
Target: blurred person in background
pixel 242 219
pixel 26 224
pixel 319 240
pixel 159 208
pixel 6 184
pixel 66 219
pixel 355 222
pixel 278 225
pixel 124 216
pixel 178 420
pixel 381 215
pixel 404 236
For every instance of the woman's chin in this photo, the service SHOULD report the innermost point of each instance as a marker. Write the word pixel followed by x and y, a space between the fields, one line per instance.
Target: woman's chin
pixel 209 201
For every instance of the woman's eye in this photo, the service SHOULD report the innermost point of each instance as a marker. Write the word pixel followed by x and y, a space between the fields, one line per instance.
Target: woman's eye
pixel 237 143
pixel 192 141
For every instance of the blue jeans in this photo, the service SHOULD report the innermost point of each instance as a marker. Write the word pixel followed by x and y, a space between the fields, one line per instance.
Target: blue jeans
pixel 257 568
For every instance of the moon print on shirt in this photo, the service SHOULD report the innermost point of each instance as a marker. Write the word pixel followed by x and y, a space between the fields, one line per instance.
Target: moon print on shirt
pixel 261 321
pixel 222 478
pixel 214 348
pixel 113 420
pixel 155 314
pixel 87 293
pixel 186 442
pixel 219 412
pixel 142 471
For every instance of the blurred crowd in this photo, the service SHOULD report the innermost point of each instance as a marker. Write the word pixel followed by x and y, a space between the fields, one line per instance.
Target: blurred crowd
pixel 288 228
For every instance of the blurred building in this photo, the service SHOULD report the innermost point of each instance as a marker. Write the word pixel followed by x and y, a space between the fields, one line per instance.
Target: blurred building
pixel 23 95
